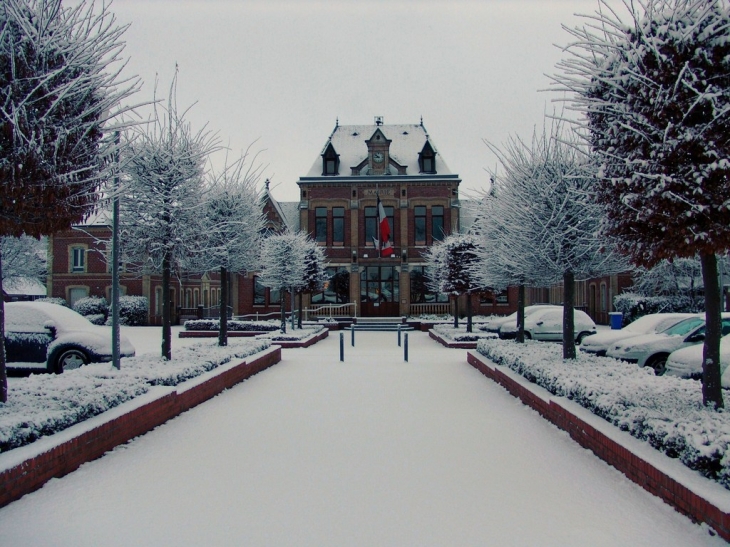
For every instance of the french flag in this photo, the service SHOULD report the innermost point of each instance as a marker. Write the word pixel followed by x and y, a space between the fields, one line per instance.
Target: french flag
pixel 384 244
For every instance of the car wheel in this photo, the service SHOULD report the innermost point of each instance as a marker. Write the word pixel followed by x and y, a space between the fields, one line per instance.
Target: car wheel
pixel 581 337
pixel 70 359
pixel 528 336
pixel 658 363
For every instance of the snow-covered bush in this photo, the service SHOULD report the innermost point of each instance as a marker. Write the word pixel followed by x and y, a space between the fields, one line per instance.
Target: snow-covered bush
pixel 634 305
pixel 133 310
pixel 233 325
pixel 44 404
pixel 460 334
pixel 96 319
pixel 91 305
pixel 53 300
pixel 665 411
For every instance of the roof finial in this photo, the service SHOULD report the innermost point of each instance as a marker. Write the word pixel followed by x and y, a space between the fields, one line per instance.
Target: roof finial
pixel 337 121
pixel 421 121
pixel 378 120
pixel 267 182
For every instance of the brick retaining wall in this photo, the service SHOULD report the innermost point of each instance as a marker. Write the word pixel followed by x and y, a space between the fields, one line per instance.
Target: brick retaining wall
pixel 68 450
pixel 644 465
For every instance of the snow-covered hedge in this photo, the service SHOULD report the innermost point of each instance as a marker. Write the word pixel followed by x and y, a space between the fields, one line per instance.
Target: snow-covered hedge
pixel 91 305
pixel 460 335
pixel 634 305
pixel 133 310
pixel 97 319
pixel 663 410
pixel 52 300
pixel 292 335
pixel 233 325
pixel 43 404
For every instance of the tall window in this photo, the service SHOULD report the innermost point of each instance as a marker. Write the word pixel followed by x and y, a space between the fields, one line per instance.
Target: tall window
pixel 320 225
pixel 259 293
pixel 371 224
pixel 419 213
pixel 437 222
pixel 274 297
pixel 338 225
pixel 78 259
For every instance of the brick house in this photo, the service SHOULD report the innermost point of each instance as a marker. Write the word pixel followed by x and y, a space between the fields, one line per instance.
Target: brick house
pixel 337 208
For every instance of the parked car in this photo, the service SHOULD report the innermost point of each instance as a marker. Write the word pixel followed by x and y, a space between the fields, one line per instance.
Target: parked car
pixel 493 325
pixel 547 324
pixel 598 343
pixel 39 335
pixel 687 362
pixel 652 350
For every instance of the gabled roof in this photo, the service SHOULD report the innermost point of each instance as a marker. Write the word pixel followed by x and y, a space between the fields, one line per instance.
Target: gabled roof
pixel 407 142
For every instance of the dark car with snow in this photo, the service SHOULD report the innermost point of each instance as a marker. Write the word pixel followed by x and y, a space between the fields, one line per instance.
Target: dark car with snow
pixel 53 338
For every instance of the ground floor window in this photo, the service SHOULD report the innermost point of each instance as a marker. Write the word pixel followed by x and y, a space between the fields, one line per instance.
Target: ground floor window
pixel 420 292
pixel 337 287
pixel 379 284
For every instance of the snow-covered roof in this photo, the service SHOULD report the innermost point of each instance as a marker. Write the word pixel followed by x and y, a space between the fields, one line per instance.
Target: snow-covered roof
pixel 23 286
pixel 290 210
pixel 407 141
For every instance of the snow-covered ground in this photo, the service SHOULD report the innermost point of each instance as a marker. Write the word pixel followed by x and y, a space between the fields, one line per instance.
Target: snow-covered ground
pixel 372 451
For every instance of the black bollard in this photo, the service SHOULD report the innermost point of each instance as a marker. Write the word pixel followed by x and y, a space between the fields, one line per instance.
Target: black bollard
pixel 342 346
pixel 405 348
pixel 352 328
pixel 398 335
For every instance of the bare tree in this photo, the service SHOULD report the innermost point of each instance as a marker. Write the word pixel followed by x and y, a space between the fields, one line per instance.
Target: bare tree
pixel 23 258
pixel 549 219
pixel 59 86
pixel 233 221
pixel 284 264
pixel 163 199
pixel 450 270
pixel 654 88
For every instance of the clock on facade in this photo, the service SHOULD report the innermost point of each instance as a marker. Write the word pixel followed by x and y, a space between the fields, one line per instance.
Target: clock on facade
pixel 378 157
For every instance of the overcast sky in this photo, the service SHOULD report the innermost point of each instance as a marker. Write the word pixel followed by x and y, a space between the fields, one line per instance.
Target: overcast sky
pixel 282 73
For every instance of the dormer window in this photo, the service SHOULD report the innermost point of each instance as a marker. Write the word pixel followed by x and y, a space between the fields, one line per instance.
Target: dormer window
pixel 330 161
pixel 427 159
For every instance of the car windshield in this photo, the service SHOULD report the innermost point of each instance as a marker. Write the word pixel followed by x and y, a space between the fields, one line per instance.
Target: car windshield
pixel 683 327
pixel 653 323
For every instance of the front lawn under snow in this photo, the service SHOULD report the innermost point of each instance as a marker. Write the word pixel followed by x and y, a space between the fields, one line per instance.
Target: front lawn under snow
pixel 43 404
pixel 665 411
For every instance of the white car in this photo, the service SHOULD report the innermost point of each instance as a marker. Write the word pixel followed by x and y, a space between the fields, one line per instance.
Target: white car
pixel 48 337
pixel 547 324
pixel 652 350
pixel 494 325
pixel 598 344
pixel 687 362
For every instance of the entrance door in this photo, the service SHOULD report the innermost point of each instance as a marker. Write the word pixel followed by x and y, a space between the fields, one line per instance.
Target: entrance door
pixel 379 291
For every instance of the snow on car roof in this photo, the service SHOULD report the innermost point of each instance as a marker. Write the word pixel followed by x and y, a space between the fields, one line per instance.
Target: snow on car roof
pixel 29 316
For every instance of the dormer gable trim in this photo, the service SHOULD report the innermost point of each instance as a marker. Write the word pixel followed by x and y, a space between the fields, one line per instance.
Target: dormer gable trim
pixel 427 159
pixel 330 161
pixel 378 138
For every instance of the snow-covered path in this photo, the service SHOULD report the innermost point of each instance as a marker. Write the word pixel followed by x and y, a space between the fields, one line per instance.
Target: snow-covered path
pixel 370 452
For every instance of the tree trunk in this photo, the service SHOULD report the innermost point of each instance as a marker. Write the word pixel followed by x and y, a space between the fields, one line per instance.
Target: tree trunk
pixel 223 323
pixel 711 377
pixel 568 315
pixel 282 305
pixel 166 311
pixel 521 313
pixel 468 312
pixel 299 317
pixel 3 369
pixel 456 312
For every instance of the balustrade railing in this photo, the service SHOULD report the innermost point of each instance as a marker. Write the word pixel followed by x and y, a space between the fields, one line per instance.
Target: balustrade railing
pixel 348 309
